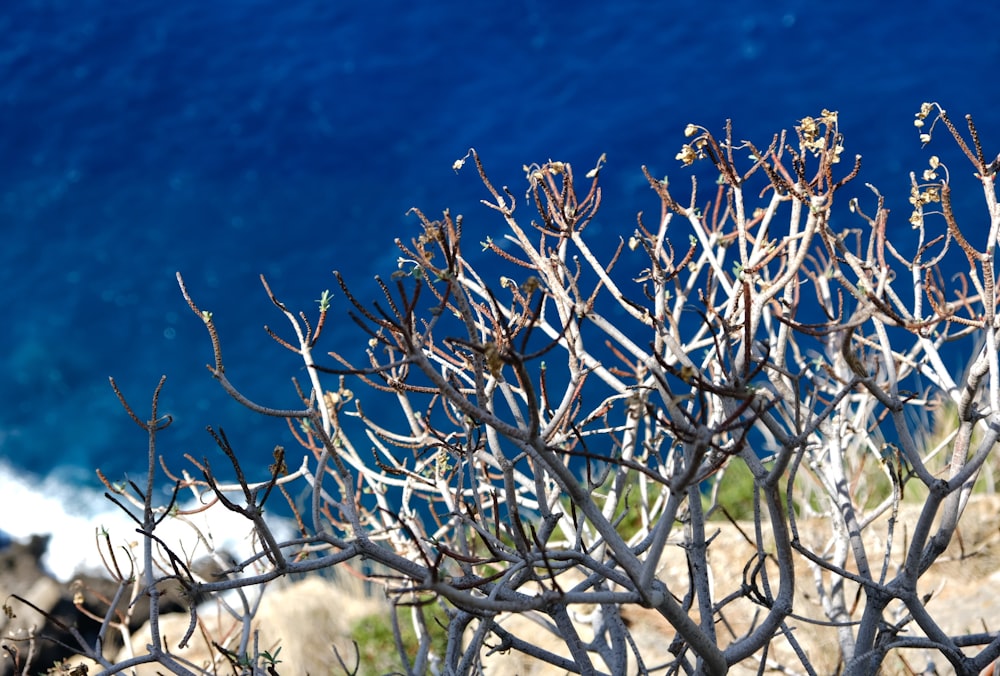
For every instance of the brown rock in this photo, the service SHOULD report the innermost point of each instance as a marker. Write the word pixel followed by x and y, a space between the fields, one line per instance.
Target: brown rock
pixel 306 619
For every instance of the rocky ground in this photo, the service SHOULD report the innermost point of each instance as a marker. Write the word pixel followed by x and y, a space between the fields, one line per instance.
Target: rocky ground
pixel 311 615
pixel 964 586
pixel 38 605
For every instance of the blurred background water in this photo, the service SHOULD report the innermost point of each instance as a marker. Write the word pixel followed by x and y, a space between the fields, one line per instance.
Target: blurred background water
pixel 233 138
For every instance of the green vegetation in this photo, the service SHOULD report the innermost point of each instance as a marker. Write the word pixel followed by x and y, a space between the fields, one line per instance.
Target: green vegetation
pixel 376 644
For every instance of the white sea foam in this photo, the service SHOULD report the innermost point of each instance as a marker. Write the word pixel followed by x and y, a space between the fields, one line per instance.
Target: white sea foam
pixel 74 516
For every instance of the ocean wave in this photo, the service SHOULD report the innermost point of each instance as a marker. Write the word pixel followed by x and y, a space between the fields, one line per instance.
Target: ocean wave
pixel 77 517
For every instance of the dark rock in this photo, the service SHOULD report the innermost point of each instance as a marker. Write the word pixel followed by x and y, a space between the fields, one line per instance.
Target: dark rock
pixel 37 605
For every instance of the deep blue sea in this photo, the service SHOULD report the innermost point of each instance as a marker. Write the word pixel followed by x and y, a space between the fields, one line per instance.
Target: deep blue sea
pixel 232 138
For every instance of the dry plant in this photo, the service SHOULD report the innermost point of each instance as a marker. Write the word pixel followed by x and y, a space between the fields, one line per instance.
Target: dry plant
pixel 540 443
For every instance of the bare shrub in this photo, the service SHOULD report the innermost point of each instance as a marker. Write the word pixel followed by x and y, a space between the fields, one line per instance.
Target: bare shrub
pixel 541 440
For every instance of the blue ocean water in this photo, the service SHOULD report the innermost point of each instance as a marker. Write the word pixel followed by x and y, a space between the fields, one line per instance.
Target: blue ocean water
pixel 234 138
